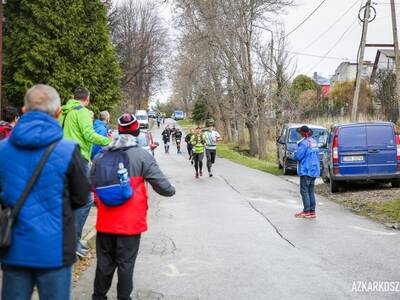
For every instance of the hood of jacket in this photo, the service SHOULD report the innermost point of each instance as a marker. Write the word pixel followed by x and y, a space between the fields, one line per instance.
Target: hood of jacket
pixel 98 125
pixel 123 141
pixel 36 130
pixel 71 104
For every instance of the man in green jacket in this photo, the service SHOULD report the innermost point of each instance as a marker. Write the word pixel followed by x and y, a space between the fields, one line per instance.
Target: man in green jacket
pixel 77 124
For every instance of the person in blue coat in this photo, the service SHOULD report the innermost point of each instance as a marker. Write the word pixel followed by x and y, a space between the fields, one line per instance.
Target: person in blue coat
pixel 43 243
pixel 100 127
pixel 308 169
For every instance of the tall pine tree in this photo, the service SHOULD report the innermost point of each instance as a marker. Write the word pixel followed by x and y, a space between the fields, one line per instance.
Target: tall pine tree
pixel 63 43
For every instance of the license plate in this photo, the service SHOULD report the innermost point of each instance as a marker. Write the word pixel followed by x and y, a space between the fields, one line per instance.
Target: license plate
pixel 356 158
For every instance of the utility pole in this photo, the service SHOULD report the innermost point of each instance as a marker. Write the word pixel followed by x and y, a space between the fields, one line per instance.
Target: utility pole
pixel 396 55
pixel 367 13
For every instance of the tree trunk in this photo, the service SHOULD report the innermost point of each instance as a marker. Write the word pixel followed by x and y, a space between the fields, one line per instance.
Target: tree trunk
pixel 240 132
pixel 262 136
pixel 253 142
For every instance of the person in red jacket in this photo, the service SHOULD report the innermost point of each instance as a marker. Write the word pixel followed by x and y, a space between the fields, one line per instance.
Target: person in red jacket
pixel 120 221
pixel 11 116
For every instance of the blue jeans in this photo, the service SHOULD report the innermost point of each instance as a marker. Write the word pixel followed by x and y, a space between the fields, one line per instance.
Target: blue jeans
pixel 82 213
pixel 52 284
pixel 307 192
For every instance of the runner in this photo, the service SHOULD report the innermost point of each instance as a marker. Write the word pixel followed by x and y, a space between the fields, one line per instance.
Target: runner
pixel 166 137
pixel 173 130
pixel 212 137
pixel 189 144
pixel 178 138
pixel 198 143
pixel 158 120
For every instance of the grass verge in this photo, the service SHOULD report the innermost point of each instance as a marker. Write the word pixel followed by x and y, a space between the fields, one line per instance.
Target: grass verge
pixel 227 151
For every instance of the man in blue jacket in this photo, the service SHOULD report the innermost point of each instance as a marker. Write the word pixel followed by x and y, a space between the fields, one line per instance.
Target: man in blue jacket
pixel 308 169
pixel 100 127
pixel 43 244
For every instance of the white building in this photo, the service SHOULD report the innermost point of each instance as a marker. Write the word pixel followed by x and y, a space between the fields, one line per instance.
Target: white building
pixel 347 71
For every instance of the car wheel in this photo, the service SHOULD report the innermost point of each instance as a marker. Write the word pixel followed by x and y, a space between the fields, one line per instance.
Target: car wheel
pixel 335 186
pixel 285 168
pixel 396 183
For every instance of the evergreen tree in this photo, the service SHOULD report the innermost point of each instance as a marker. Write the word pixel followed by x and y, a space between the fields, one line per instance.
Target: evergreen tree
pixel 200 111
pixel 63 43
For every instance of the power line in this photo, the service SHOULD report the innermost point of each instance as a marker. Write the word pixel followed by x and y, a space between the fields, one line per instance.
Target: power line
pixel 320 56
pixel 306 19
pixel 333 47
pixel 330 27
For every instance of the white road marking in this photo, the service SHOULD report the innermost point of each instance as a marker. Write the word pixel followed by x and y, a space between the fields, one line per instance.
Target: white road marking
pixel 174 271
pixel 374 231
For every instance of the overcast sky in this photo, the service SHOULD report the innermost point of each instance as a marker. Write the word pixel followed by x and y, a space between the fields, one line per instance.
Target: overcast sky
pixel 342 39
pixel 379 31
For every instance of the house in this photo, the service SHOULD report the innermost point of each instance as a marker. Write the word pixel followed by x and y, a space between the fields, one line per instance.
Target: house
pixel 324 83
pixel 384 60
pixel 347 71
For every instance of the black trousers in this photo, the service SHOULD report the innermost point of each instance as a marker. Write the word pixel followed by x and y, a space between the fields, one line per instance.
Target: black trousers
pixel 190 150
pixel 210 154
pixel 198 161
pixel 115 252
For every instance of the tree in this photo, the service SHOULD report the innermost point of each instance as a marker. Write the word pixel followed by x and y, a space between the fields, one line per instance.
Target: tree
pixel 304 83
pixel 385 88
pixel 64 46
pixel 342 96
pixel 141 43
pixel 200 111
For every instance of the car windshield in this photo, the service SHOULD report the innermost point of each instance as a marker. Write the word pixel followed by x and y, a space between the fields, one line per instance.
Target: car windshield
pixel 178 113
pixel 140 117
pixel 319 135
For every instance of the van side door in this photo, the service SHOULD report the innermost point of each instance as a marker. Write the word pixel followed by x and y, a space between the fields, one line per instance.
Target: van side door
pixel 382 149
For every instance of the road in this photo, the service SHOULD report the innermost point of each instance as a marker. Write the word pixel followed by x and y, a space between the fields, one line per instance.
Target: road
pixel 234 236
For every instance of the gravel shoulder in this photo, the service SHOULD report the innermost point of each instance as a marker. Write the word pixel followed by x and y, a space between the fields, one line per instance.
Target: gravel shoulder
pixel 376 201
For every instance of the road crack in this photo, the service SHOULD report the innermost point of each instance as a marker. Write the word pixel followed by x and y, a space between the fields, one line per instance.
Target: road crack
pixel 260 213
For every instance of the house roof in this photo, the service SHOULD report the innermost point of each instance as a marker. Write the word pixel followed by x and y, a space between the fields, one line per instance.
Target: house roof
pixel 387 53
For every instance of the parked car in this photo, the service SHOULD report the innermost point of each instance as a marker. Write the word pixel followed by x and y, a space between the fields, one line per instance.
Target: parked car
pixel 178 115
pixel 362 152
pixel 143 119
pixel 152 114
pixel 287 145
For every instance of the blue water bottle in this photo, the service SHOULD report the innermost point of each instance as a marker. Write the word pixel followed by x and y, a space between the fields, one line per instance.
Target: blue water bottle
pixel 123 176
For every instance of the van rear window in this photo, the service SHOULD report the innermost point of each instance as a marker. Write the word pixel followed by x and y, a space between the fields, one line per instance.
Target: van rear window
pixel 380 135
pixel 353 136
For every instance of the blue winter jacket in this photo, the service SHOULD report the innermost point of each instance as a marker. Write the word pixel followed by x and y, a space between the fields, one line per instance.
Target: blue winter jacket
pixel 44 232
pixel 307 155
pixel 100 127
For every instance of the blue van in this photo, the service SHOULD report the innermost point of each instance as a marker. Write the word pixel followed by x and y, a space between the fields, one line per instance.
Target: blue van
pixel 362 152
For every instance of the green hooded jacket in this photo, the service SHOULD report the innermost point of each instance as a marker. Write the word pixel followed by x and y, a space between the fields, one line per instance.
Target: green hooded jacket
pixel 77 125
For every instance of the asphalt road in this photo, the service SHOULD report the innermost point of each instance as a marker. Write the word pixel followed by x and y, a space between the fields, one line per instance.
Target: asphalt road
pixel 234 236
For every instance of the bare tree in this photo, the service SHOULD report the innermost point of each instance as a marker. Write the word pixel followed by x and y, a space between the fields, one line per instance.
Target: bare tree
pixel 141 42
pixel 227 31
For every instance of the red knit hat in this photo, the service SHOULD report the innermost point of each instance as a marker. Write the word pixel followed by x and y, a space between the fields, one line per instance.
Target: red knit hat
pixel 128 123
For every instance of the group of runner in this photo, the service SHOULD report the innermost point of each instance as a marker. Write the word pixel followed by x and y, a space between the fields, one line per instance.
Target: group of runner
pixel 173 134
pixel 199 143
